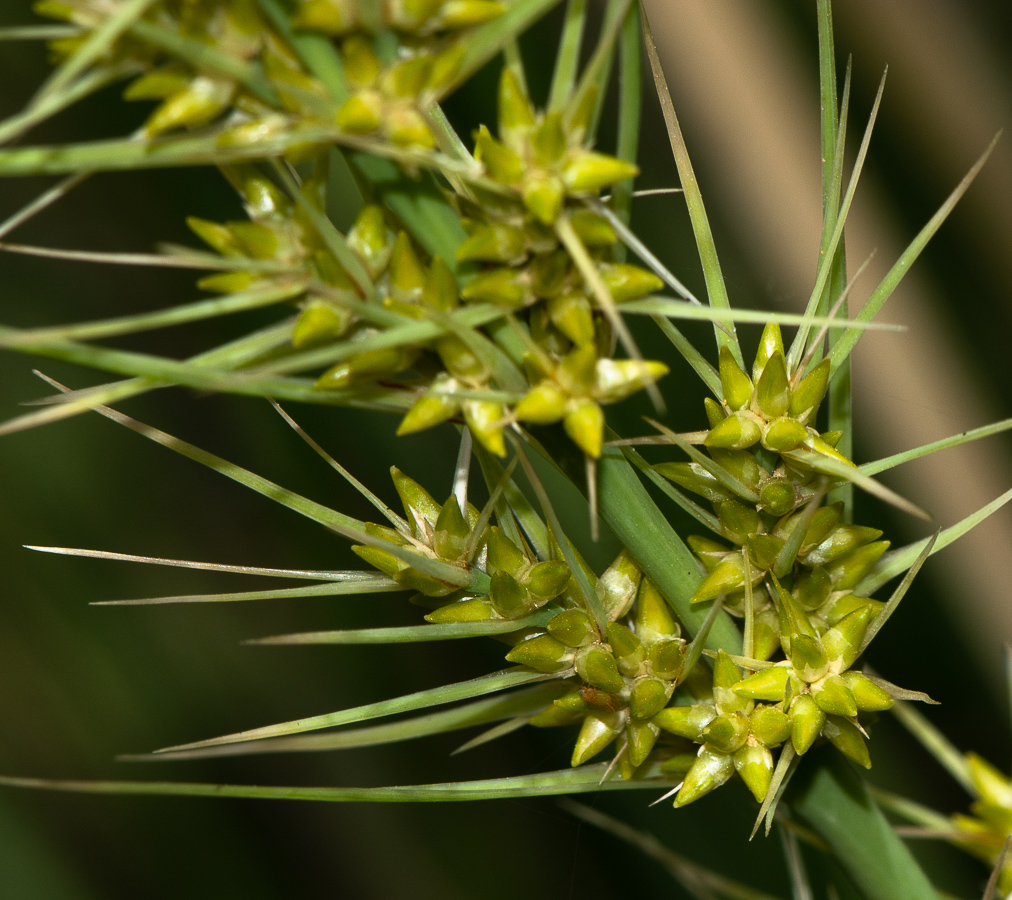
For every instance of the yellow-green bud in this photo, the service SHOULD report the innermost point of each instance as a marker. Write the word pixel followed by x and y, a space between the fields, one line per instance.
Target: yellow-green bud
pixel 449 537
pixel 686 721
pixel 993 787
pixel 493 242
pixel 849 571
pixel 763 550
pixel 543 653
pixel 770 725
pixel 847 739
pixel 371 240
pixel 710 771
pixel 653 616
pixel 201 101
pixel 218 237
pixel 501 163
pixel 766 684
pixel 598 732
pixel 666 657
pixel 549 139
pixel 516 115
pixel 738 431
pixel 648 697
pixel 420 509
pixel 843 640
pixel 628 282
pixel 807 396
pixel 440 288
pixel 812 587
pixel 319 323
pixel 544 404
pixel 618 585
pixel 808 657
pixel 641 736
pixel 573 316
pixel 616 379
pixel 868 696
pixel 770 343
pixel 784 434
pixel 834 697
pixel 360 113
pixel 484 418
pixel 773 395
pixel 599 669
pixel 714 412
pixel 573 627
pixel 509 597
pixel 584 424
pixel 499 286
pixel 333 17
pixel 778 497
pixel 543 195
pixel 806 723
pixel 428 411
pixel 503 553
pixel 754 764
pixel 589 171
pixel 548 579
pixel 472 610
pixel 593 229
pixel 737 386
pixel 460 359
pixel 407 276
pixel 726 733
pixel 371 364
pixel 226 282
pixel 727 576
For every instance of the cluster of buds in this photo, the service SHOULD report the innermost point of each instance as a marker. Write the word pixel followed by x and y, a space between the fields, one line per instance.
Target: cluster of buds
pixel 792 569
pixel 398 58
pixel 985 831
pixel 538 171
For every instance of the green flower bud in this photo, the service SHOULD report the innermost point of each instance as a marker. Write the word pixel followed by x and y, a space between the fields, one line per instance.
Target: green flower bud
pixel 542 652
pixel 754 764
pixel 218 237
pixel 834 697
pixel 616 379
pixel 573 316
pixel 626 646
pixel 516 115
pixel 508 596
pixel 407 79
pixel 440 288
pixel 868 696
pixel 451 531
pixel 807 396
pixel 843 640
pixel 738 431
pixel 618 585
pixel 742 464
pixel 380 559
pixel 778 497
pixel 784 434
pixel 503 554
pixel 203 100
pixel 765 635
pixel 737 386
pixel 318 324
pixel 460 359
pixel 808 657
pixel 773 394
pixel 770 343
pixel 544 404
pixel 648 697
pixel 586 171
pixel 598 668
pixel 710 771
pixel 832 438
pixel 812 587
pixel 333 17
pixel 421 510
pixel 424 584
pixel 738 520
pixel 686 721
pixel 573 627
pixel 584 424
pixel 770 725
pixel 666 658
pixel 428 411
pixel 714 412
pixel 548 579
pixel 493 242
pixel 227 282
pixel 553 716
pixel 501 163
pixel 593 229
pixel 597 732
pixel 766 684
pixel 371 240
pixel 843 539
pixel 763 550
pixel 628 282
pixel 157 85
pixel 407 275
pixel 846 737
pixel 726 733
pixel 544 196
pixel 499 286
pixel 549 140
pixel 484 418
pixel 360 113
pixel 793 619
pixel 641 736
pixel 653 615
pixel 727 577
pixel 993 787
pixel 255 240
pixel 806 723
pixel 474 609
pixel 850 570
pixel 693 477
pixel 368 365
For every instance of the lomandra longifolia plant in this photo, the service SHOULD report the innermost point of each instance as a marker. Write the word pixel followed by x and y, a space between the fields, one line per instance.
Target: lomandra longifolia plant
pixel 487 286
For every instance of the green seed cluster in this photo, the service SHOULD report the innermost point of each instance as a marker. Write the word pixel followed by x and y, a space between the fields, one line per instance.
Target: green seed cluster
pixel 397 56
pixel 790 570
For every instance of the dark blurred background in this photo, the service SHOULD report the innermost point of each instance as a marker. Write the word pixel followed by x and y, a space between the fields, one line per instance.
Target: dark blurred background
pixel 81 685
